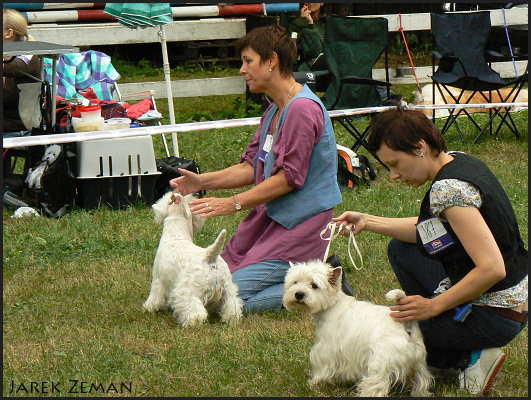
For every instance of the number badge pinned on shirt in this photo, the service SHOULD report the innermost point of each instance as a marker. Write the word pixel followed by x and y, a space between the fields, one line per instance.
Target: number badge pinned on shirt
pixel 434 236
pixel 268 144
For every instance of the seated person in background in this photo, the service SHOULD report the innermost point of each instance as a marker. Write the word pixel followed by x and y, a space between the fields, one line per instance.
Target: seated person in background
pixel 16 30
pixel 310 34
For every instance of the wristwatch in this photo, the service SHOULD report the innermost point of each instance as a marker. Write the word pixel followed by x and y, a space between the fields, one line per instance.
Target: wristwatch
pixel 237 204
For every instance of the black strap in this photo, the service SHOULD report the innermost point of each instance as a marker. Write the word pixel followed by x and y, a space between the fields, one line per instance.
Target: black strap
pixel 353 177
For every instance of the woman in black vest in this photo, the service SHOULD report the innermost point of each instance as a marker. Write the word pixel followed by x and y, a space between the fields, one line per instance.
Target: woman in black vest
pixel 462 261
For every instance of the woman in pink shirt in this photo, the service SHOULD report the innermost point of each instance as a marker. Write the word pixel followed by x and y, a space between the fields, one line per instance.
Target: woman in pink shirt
pixel 291 164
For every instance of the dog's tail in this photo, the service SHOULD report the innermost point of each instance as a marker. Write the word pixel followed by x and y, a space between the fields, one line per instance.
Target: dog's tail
pixel 215 249
pixel 394 295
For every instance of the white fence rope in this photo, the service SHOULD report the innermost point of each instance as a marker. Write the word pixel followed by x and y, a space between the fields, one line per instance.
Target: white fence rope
pixel 229 123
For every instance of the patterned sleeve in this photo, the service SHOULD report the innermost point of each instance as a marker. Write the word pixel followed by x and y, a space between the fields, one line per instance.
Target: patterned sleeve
pixel 447 193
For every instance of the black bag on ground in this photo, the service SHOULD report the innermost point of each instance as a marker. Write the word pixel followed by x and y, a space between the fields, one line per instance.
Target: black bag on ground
pixel 168 167
pixel 353 169
pixel 50 186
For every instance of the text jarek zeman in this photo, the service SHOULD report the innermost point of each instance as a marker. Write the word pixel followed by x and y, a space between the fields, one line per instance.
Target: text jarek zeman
pixel 72 386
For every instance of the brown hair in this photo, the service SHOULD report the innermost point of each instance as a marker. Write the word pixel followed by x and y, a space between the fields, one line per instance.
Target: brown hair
pixel 401 130
pixel 16 21
pixel 268 39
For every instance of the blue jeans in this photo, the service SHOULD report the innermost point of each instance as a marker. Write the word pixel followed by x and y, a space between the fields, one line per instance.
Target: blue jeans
pixel 261 285
pixel 449 343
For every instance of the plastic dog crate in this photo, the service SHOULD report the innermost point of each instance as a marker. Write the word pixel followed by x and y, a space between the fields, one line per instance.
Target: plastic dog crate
pixel 116 172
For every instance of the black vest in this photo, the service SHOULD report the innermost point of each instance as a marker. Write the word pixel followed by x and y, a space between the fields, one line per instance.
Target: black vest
pixel 498 214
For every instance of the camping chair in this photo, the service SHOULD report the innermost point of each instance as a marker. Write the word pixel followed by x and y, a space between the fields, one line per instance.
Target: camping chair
pixel 461 41
pixel 35 112
pixel 352 47
pixel 78 72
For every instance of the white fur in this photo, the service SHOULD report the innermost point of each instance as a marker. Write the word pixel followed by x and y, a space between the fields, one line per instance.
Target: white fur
pixel 356 340
pixel 191 280
pixel 35 174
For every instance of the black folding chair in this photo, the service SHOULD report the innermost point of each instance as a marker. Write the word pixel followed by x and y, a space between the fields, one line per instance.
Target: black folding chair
pixel 352 47
pixel 17 161
pixel 461 40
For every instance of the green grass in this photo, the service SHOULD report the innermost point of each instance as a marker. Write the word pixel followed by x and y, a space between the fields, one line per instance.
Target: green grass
pixel 74 287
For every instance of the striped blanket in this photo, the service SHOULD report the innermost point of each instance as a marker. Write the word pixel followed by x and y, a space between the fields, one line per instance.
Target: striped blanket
pixel 78 71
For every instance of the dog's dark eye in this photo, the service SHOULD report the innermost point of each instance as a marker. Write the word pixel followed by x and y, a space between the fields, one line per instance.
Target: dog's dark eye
pixel 314 286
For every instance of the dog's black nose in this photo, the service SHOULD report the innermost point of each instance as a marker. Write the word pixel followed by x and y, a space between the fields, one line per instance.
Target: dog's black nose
pixel 299 295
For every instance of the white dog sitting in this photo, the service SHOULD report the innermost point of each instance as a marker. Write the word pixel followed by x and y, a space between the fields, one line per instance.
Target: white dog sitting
pixel 191 280
pixel 356 340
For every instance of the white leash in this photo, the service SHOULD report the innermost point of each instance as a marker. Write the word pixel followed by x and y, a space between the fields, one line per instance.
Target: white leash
pixel 332 227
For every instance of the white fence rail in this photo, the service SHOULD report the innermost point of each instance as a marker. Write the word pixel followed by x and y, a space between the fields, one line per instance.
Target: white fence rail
pixel 227 29
pixel 222 124
pixel 215 28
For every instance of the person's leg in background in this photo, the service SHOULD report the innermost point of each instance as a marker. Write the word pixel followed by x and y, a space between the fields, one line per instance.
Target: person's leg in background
pixel 261 285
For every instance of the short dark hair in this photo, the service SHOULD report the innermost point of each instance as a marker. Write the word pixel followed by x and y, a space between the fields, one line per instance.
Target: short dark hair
pixel 401 130
pixel 268 39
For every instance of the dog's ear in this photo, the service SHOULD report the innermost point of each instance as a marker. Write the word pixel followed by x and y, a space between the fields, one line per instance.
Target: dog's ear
pixel 160 213
pixel 160 209
pixel 335 276
pixel 215 249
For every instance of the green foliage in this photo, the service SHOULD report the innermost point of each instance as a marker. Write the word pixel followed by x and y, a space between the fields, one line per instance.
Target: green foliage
pixel 246 109
pixel 147 70
pixel 74 287
pixel 419 46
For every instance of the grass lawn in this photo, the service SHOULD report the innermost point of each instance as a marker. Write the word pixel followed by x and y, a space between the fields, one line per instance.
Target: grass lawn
pixel 74 287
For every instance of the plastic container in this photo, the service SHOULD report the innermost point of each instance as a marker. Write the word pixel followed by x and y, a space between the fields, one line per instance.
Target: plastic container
pixel 110 125
pixel 116 172
pixel 81 125
pixel 117 123
pixel 90 113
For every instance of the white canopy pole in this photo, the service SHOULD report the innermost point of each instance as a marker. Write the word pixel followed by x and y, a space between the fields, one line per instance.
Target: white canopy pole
pixel 169 93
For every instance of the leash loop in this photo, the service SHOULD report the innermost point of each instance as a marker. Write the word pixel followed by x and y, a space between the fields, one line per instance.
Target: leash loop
pixel 351 240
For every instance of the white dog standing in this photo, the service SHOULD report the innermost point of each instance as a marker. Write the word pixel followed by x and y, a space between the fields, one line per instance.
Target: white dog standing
pixel 187 278
pixel 356 340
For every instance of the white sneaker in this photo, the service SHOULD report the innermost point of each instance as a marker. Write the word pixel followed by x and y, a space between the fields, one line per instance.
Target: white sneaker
pixel 478 378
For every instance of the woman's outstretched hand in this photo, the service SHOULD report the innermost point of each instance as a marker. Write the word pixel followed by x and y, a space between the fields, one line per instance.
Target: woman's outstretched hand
pixel 188 182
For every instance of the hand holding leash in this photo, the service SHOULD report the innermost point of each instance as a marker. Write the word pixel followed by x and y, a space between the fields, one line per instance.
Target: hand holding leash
pixel 332 226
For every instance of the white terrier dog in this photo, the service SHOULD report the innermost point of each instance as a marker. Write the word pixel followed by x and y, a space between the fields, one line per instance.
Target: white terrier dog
pixel 191 280
pixel 356 340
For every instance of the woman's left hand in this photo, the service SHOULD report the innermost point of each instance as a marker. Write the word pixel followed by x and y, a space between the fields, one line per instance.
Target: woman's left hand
pixel 413 308
pixel 213 206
